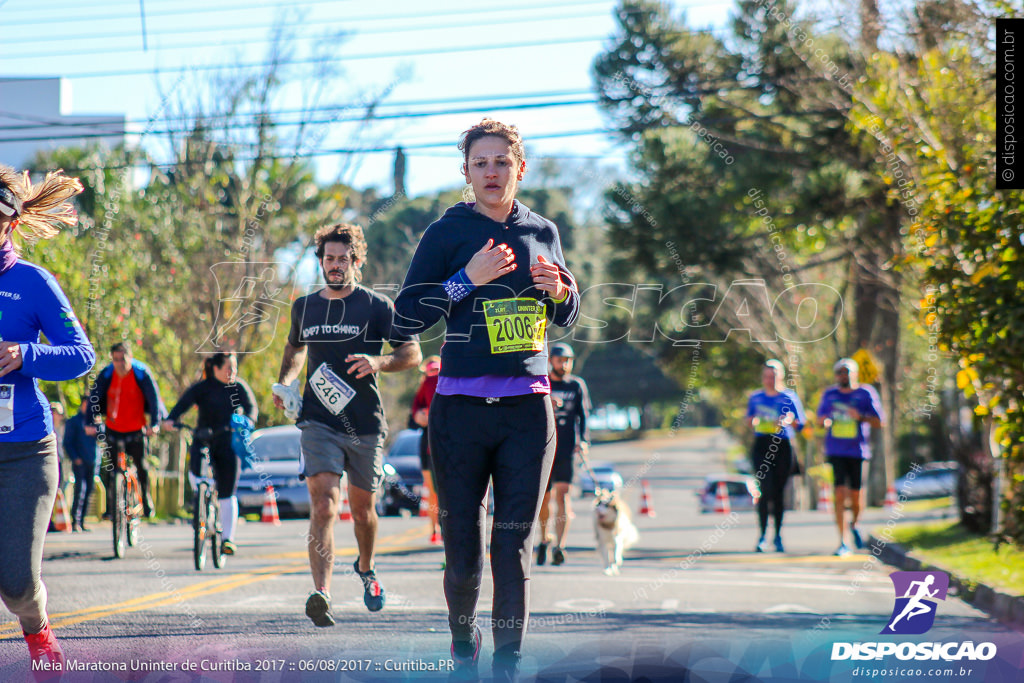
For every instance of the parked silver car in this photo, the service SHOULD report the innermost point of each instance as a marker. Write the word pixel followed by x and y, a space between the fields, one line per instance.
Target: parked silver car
pixel 933 480
pixel 277 449
pixel 741 489
pixel 607 478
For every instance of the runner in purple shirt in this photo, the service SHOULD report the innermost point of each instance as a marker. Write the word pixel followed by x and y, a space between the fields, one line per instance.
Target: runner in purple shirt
pixel 849 411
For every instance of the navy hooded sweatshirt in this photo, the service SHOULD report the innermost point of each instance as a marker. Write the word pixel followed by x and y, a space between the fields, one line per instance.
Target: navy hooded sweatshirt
pixel 445 248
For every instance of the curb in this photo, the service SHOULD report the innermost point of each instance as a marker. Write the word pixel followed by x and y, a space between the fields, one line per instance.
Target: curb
pixel 1008 609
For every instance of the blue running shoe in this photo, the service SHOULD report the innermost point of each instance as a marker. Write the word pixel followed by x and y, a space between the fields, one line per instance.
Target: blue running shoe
pixel 373 592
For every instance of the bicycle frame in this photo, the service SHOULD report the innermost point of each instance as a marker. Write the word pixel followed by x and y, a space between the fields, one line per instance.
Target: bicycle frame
pixel 205 507
pixel 126 514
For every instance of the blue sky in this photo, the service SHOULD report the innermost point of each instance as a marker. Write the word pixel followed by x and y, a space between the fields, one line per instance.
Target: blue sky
pixel 432 53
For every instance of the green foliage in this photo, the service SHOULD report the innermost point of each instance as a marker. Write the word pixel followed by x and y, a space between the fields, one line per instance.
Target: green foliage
pixel 931 111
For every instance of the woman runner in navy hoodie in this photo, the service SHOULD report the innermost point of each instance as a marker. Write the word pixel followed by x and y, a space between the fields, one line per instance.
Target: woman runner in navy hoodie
pixel 495 271
pixel 32 302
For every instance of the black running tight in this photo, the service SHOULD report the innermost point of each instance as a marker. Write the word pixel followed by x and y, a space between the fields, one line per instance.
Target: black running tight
pixel 510 441
pixel 772 458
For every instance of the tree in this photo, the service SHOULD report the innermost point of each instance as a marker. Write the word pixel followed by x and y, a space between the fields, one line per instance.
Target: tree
pixel 717 123
pixel 930 106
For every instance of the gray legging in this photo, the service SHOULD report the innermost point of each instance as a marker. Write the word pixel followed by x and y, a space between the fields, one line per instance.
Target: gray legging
pixel 28 485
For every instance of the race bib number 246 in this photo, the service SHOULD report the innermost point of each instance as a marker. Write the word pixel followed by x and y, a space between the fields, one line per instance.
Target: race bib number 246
pixel 332 391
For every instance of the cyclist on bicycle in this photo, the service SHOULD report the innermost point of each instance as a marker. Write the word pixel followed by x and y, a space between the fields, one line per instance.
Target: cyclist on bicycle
pixel 126 392
pixel 219 395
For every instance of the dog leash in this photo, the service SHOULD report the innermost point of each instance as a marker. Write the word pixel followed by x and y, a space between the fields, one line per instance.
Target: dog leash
pixel 593 476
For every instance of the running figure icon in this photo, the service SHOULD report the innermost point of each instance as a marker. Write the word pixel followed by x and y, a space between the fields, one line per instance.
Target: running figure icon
pixel 916 605
pixel 917 595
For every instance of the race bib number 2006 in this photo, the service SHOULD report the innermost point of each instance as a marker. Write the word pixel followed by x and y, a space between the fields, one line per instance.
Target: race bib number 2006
pixel 332 391
pixel 515 325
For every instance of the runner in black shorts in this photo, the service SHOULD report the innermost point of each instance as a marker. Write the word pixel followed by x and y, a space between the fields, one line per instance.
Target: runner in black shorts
pixel 848 411
pixel 219 395
pixel 571 401
pixel 491 418
pixel 342 328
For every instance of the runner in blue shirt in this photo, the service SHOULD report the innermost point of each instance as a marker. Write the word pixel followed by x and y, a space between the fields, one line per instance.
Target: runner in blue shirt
pixel 849 411
pixel 773 412
pixel 31 304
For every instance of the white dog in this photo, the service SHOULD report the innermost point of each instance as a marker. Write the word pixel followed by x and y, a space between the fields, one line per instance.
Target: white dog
pixel 613 529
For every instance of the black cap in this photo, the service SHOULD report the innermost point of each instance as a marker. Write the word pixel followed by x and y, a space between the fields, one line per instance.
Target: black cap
pixel 10 204
pixel 561 351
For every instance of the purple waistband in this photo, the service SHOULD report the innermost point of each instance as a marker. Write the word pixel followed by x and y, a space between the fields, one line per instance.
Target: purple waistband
pixel 493 386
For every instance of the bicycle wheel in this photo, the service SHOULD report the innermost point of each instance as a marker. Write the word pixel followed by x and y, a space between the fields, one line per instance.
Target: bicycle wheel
pixel 199 526
pixel 118 515
pixel 133 506
pixel 216 533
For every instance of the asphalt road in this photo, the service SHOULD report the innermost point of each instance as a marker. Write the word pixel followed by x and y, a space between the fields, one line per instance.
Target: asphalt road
pixel 693 601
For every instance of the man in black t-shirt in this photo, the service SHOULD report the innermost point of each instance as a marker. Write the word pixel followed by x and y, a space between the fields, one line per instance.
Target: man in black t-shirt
pixel 341 330
pixel 571 401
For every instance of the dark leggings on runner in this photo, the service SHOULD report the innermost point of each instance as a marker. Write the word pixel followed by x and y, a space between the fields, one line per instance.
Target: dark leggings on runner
pixel 28 485
pixel 223 461
pixel 512 442
pixel 773 462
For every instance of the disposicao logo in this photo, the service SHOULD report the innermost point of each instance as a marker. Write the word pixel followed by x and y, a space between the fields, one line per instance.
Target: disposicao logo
pixel 914 614
pixel 916 596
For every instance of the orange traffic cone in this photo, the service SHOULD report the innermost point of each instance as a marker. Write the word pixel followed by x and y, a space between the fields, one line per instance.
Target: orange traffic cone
pixel 825 497
pixel 346 513
pixel 646 508
pixel 60 517
pixel 270 515
pixel 722 503
pixel 890 497
pixel 424 503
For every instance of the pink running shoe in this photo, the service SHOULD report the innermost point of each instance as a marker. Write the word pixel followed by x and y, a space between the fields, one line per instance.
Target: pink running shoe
pixel 47 657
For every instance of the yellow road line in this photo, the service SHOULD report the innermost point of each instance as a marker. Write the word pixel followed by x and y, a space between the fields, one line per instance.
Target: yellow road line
pixel 239 580
pixel 221 584
pixel 396 538
pixel 757 558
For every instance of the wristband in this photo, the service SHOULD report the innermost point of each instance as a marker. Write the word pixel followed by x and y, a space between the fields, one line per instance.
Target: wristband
pixel 563 299
pixel 458 286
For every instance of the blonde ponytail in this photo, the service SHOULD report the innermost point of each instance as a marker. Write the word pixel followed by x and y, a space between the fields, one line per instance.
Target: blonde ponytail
pixel 45 206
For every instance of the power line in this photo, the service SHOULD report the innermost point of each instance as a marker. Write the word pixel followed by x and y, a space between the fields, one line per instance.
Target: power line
pixel 380 55
pixel 263 119
pixel 390 148
pixel 202 9
pixel 108 50
pixel 320 25
pixel 341 151
pixel 248 7
pixel 309 122
pixel 483 101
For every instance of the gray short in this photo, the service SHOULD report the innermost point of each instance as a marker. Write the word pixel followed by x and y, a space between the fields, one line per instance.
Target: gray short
pixel 325 449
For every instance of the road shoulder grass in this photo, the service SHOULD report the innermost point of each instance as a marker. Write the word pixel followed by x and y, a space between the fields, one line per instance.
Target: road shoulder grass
pixel 948 546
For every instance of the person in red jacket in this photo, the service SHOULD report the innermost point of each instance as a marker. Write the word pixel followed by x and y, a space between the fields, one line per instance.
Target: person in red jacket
pixel 430 368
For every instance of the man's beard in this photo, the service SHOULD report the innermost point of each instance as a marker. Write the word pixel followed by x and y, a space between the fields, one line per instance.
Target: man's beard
pixel 346 280
pixel 844 383
pixel 558 374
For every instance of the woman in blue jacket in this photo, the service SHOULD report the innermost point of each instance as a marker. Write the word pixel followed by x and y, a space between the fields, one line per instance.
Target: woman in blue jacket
pixel 32 302
pixel 495 271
